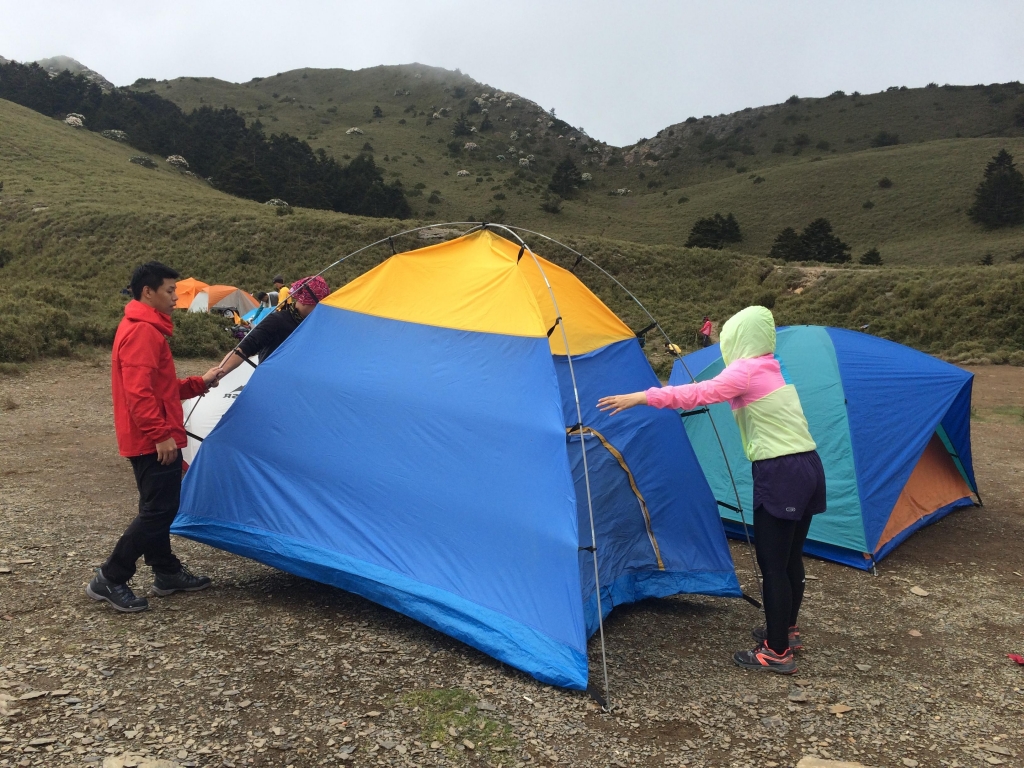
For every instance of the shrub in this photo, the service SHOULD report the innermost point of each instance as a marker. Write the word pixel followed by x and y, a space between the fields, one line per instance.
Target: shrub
pixel 986 260
pixel 683 199
pixel 885 182
pixel 714 232
pixel 552 205
pixel 6 257
pixel 823 145
pixel 871 257
pixel 801 140
pixel 885 139
pixel 455 148
pixel 197 334
pixel 779 147
pixel 794 99
pixel 434 198
pixel 1018 114
pixel 868 205
pixel 999 199
pixel 377 111
pixel 486 124
pixel 459 92
pixel 498 196
pixel 474 108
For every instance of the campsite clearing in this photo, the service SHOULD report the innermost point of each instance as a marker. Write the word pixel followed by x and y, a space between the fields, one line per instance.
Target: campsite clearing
pixel 269 670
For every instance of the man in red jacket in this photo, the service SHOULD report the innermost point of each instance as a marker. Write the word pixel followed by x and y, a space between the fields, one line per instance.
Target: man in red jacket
pixel 150 431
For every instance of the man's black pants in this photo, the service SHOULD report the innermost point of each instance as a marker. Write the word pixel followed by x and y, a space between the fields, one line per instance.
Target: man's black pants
pixel 149 533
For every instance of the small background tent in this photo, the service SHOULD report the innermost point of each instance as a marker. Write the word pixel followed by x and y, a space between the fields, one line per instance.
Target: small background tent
pixel 187 290
pixel 254 316
pixel 425 452
pixel 202 413
pixel 893 430
pixel 217 298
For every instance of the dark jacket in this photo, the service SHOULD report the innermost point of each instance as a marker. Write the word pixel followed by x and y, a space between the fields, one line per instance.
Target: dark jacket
pixel 146 389
pixel 270 333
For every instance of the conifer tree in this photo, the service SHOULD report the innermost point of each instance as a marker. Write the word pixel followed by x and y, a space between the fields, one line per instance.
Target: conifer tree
pixel 566 178
pixel 787 246
pixel 999 199
pixel 818 243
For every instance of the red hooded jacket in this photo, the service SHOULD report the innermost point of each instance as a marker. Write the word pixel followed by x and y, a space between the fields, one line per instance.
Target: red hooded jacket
pixel 146 389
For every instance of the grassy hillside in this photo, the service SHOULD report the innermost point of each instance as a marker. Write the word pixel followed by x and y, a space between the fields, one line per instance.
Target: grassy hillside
pixel 75 216
pixel 775 166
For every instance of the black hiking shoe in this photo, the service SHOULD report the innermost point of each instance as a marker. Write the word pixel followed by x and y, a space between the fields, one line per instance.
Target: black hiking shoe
pixel 183 581
pixel 764 659
pixel 761 634
pixel 120 596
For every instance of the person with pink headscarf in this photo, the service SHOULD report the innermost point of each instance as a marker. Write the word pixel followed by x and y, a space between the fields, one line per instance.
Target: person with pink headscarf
pixel 262 340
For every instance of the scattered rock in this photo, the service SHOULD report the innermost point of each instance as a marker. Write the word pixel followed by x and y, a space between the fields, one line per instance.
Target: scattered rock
pixel 799 696
pixel 920 592
pixel 356 131
pixel 914 633
pixel 144 160
pixel 818 762
pixel 839 709
pixel 75 120
pixel 863 667
pixel 178 162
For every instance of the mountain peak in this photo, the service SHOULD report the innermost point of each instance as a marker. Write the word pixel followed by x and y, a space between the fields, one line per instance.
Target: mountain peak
pixel 57 64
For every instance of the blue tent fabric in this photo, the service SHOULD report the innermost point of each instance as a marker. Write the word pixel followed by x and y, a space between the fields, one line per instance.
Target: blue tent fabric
pixel 429 469
pixel 254 316
pixel 654 446
pixel 396 431
pixel 872 406
pixel 895 390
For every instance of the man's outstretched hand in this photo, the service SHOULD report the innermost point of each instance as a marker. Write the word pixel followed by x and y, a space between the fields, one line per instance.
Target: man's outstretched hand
pixel 213 376
pixel 617 403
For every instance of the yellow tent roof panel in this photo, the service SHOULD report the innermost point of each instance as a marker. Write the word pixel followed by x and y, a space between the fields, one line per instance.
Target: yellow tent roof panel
pixel 477 283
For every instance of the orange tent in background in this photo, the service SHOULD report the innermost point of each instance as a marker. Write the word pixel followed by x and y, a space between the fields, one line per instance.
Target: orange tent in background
pixel 187 290
pixel 218 298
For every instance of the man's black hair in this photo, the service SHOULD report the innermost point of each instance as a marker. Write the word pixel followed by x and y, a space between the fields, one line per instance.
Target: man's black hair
pixel 151 274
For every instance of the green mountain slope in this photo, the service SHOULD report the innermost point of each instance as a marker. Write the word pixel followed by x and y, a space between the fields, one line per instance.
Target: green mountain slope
pixel 826 166
pixel 76 216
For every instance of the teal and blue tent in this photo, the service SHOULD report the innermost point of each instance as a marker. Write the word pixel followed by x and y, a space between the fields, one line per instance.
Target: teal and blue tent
pixel 429 455
pixel 893 430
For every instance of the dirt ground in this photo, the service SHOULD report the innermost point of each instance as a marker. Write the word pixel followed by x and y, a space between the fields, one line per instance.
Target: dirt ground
pixel 265 669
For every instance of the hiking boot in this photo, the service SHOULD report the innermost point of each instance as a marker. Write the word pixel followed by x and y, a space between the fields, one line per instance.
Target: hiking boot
pixel 765 659
pixel 761 634
pixel 120 596
pixel 183 581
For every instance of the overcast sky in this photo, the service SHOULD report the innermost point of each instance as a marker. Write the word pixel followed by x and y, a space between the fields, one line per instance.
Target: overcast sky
pixel 621 70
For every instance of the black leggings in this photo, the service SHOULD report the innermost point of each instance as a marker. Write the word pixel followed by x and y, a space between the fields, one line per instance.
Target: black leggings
pixel 779 545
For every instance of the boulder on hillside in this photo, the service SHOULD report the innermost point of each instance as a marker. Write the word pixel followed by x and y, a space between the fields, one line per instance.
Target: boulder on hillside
pixel 75 120
pixel 462 173
pixel 178 162
pixel 356 131
pixel 115 135
pixel 144 160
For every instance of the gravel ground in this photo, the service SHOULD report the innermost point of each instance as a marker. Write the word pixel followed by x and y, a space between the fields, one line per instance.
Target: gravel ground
pixel 265 669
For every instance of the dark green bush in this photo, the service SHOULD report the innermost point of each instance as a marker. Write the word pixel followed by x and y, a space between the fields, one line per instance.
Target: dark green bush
pixel 885 139
pixel 198 334
pixel 999 199
pixel 714 232
pixel 871 257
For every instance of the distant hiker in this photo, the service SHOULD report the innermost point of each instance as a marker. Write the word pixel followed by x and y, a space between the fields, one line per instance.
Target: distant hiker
pixel 148 421
pixel 789 481
pixel 272 331
pixel 280 290
pixel 705 333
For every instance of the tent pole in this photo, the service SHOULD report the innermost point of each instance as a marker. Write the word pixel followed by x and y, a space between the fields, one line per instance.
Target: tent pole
pixel 586 470
pixel 718 437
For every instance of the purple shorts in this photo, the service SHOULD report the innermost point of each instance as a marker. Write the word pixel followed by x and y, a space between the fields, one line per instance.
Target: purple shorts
pixel 790 487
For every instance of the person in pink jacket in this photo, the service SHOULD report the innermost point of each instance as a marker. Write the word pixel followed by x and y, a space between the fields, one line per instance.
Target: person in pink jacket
pixel 789 480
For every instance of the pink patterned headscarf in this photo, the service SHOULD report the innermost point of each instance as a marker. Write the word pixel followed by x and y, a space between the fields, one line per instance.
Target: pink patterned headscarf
pixel 310 290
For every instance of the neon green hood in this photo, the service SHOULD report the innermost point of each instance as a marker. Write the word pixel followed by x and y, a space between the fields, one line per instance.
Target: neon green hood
pixel 748 333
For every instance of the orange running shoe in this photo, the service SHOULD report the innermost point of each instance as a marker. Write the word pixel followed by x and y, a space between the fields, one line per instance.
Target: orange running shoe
pixel 761 634
pixel 765 659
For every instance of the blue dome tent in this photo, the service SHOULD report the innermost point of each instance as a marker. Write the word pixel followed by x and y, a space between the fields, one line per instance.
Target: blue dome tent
pixel 893 430
pixel 443 456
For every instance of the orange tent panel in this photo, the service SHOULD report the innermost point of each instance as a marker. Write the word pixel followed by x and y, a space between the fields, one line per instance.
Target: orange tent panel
pixel 187 290
pixel 934 484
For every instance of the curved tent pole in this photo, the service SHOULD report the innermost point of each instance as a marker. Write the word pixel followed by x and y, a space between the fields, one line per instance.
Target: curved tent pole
pixel 583 445
pixel 473 226
pixel 654 320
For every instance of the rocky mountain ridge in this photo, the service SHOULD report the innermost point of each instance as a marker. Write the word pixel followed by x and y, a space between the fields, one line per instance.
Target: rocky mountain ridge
pixel 57 64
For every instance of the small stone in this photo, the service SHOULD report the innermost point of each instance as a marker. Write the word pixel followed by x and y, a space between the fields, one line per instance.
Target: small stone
pixel 751 699
pixel 42 741
pixel 817 762
pixel 839 709
pixel 800 695
pixel 32 695
pixel 468 744
pixel 914 633
pixel 803 683
pixel 909 762
pixel 920 593
pixel 435 745
pixel 373 713
pixel 863 667
pixel 61 692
